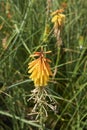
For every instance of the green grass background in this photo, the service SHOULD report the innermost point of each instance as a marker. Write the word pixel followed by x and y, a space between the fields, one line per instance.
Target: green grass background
pixel 21 34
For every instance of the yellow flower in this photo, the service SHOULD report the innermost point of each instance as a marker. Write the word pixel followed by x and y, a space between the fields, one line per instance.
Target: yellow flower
pixel 40 69
pixel 58 18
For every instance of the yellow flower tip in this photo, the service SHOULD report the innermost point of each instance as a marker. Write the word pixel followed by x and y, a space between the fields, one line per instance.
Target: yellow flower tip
pixel 54 19
pixel 57 12
pixel 62 16
pixel 40 70
pixel 35 54
pixel 47 52
pixel 58 18
pixel 46 59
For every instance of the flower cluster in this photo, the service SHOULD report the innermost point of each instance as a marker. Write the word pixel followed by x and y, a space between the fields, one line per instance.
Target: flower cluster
pixel 40 69
pixel 58 18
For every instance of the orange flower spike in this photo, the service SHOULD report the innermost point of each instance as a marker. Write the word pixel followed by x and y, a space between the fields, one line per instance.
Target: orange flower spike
pixel 40 69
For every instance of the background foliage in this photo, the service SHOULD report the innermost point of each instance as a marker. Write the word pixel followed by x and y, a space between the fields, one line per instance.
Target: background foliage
pixel 22 24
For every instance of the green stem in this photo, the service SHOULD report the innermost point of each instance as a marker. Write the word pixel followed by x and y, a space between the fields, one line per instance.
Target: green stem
pixel 58 56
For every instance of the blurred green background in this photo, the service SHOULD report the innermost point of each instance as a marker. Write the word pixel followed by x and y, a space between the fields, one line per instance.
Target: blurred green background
pixel 22 25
